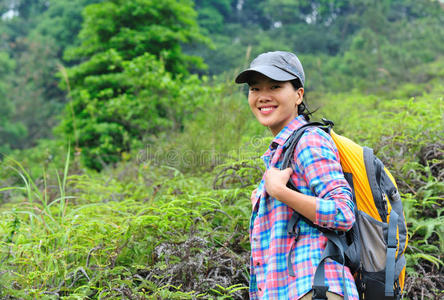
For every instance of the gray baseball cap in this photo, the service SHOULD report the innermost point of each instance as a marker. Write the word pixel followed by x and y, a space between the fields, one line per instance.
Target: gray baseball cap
pixel 277 65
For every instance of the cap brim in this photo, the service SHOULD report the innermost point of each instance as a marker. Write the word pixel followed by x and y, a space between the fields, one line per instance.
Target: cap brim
pixel 269 71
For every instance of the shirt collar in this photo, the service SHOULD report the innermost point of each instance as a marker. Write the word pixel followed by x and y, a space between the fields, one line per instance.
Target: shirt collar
pixel 284 134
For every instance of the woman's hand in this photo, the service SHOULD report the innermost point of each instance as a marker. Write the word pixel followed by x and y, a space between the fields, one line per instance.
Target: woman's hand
pixel 276 181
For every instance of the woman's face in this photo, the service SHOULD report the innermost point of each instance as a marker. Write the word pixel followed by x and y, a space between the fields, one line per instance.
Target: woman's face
pixel 274 103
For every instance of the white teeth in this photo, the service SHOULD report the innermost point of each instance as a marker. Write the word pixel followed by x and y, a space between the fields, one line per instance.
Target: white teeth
pixel 267 108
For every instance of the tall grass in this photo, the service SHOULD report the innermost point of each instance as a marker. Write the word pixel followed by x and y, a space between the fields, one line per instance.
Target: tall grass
pixel 160 227
pixel 99 242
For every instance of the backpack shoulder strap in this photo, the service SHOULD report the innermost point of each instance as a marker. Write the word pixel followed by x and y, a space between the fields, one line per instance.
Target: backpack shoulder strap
pixel 293 140
pixel 334 250
pixel 335 246
pixel 289 148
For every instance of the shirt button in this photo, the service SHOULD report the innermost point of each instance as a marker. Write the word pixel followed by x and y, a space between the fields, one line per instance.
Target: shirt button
pixel 255 239
pixel 260 289
pixel 258 263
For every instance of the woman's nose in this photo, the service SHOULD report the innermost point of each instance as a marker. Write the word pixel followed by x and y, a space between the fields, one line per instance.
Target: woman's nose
pixel 263 97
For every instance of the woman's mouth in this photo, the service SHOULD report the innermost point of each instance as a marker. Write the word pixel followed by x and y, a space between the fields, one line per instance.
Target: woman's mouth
pixel 267 109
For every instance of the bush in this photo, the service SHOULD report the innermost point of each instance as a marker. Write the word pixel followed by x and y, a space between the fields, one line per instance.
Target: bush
pixel 103 126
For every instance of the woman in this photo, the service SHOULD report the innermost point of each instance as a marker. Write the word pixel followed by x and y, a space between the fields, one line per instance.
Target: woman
pixel 276 89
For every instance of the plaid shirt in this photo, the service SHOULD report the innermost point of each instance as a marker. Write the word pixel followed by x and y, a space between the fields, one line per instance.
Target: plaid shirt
pixel 317 172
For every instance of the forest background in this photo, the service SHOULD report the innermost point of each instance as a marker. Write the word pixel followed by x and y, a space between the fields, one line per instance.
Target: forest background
pixel 128 154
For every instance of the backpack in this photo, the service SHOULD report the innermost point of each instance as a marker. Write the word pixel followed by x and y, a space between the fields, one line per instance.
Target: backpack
pixel 374 247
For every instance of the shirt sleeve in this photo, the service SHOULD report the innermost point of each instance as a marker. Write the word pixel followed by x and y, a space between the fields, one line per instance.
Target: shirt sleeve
pixel 317 158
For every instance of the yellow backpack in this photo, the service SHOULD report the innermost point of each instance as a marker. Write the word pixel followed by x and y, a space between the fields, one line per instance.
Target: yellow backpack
pixel 374 248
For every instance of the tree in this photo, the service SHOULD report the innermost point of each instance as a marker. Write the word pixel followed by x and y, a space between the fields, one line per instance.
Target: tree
pixel 213 14
pixel 135 27
pixel 34 89
pixel 130 80
pixel 35 34
pixel 21 15
pixel 61 22
pixel 9 130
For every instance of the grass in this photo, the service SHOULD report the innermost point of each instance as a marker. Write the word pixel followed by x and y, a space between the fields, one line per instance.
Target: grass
pixel 91 245
pixel 147 229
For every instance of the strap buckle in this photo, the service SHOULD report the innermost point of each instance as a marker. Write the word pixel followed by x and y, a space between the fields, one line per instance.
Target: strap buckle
pixel 328 122
pixel 294 232
pixel 320 292
pixel 292 226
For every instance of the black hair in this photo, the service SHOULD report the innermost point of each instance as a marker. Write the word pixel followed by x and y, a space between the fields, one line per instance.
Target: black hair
pixel 302 108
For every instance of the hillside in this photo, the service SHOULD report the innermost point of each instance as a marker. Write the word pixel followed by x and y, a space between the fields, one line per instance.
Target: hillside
pixel 128 154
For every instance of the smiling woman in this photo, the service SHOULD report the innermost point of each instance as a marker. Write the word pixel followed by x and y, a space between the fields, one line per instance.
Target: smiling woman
pixel 274 103
pixel 323 196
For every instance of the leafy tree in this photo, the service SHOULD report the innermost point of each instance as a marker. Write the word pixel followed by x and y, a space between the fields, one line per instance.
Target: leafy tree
pixel 306 27
pixel 36 33
pixel 22 15
pixel 61 22
pixel 34 90
pixel 135 27
pixel 9 130
pixel 213 14
pixel 120 92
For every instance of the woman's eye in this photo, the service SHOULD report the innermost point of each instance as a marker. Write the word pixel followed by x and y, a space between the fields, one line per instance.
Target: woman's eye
pixel 253 89
pixel 275 87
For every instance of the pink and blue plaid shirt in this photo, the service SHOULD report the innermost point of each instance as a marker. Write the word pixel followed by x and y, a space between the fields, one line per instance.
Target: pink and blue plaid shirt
pixel 317 172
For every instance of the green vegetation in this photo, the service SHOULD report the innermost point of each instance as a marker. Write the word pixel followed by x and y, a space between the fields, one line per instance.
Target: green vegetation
pixel 10 130
pixel 121 93
pixel 142 189
pixel 147 229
